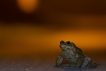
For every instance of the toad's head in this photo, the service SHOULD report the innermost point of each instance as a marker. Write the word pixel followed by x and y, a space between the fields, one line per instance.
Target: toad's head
pixel 66 45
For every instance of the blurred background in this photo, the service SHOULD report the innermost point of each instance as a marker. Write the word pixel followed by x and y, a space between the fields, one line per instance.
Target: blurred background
pixel 34 28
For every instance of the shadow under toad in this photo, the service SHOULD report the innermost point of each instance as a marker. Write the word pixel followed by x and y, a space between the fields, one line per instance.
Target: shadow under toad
pixel 67 68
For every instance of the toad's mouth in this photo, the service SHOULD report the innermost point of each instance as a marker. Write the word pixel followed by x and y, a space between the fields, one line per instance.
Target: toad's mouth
pixel 63 49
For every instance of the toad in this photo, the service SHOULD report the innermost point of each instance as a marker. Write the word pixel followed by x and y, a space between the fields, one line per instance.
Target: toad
pixel 74 56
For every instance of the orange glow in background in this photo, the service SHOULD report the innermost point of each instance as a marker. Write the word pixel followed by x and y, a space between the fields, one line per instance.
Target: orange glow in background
pixel 38 41
pixel 27 6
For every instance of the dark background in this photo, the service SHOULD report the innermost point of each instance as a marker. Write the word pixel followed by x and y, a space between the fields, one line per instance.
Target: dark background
pixel 37 32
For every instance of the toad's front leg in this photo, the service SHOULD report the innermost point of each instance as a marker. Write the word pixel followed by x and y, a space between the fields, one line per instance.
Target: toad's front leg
pixel 59 61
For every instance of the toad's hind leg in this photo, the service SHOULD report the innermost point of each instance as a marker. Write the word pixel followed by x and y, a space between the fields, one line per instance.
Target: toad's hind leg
pixel 88 63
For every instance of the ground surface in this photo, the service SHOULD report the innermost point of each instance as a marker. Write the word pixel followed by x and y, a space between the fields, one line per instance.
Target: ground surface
pixel 25 64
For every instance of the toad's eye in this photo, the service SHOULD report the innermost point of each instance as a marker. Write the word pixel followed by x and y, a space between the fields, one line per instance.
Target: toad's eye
pixel 68 42
pixel 61 42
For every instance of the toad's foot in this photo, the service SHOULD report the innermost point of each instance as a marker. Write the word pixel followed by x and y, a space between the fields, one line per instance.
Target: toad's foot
pixel 93 65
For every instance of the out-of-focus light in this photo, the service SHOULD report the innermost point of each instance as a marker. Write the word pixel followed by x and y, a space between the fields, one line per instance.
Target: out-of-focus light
pixel 28 6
